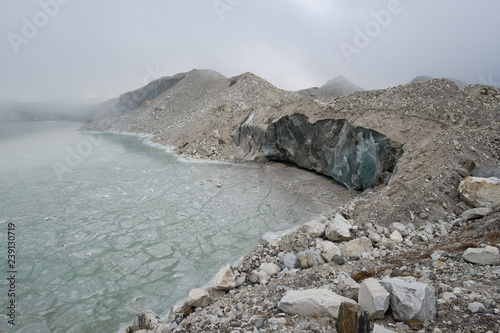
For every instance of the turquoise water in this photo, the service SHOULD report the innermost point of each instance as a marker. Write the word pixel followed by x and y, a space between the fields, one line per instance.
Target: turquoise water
pixel 106 225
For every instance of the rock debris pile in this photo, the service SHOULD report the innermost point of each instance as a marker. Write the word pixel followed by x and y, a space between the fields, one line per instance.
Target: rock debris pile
pixel 401 278
pixel 418 251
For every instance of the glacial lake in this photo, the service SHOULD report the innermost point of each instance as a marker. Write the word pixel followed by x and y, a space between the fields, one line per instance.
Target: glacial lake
pixel 106 225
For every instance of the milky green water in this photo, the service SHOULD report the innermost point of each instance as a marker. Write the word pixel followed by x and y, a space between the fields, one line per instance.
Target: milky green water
pixel 106 225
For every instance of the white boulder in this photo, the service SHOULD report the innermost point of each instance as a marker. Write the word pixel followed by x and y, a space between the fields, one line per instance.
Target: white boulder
pixel 270 268
pixel 315 228
pixel 328 250
pixel 396 237
pixel 312 302
pixel 410 300
pixel 482 256
pixel 225 279
pixel 338 230
pixel 357 247
pixel 198 298
pixel 373 298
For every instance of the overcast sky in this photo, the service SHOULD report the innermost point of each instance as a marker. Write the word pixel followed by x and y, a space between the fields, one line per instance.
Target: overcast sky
pixel 91 50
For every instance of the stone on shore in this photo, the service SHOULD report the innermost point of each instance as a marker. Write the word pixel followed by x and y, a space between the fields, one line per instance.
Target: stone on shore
pixel 315 228
pixel 312 302
pixel 482 256
pixel 329 250
pixel 410 301
pixel 352 319
pixel 225 279
pixel 357 247
pixel 338 230
pixel 198 298
pixel 480 192
pixel 147 320
pixel 373 298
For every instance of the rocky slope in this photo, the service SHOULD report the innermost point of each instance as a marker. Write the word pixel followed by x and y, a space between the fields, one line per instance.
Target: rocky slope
pixel 423 78
pixel 441 133
pixel 339 86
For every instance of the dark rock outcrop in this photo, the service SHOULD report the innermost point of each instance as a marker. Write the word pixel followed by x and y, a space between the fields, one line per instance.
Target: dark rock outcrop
pixel 357 157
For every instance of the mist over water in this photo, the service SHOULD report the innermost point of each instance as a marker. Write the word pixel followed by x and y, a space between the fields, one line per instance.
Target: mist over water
pixel 107 226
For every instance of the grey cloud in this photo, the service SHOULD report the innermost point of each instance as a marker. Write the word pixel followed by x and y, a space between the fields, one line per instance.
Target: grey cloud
pixel 100 49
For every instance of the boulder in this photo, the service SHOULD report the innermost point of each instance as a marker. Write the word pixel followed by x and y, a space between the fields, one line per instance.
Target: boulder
pixel 373 298
pixel 270 268
pixel 396 237
pixel 352 319
pixel 315 228
pixel 356 247
pixel 198 298
pixel 374 236
pixel 399 227
pixel 309 258
pixel 475 213
pixel 410 301
pixel 147 320
pixel 312 302
pixel 475 307
pixel 482 256
pixel 480 192
pixel 329 250
pixel 225 279
pixel 289 261
pixel 338 230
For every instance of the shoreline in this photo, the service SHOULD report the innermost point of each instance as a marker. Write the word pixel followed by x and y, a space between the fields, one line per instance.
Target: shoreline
pixel 145 138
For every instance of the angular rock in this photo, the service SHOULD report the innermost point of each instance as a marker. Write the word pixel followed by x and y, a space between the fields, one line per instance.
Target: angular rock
pixel 338 230
pixel 289 261
pixel 374 237
pixel 225 279
pixel 476 213
pixel 399 227
pixel 329 250
pixel 396 237
pixel 146 320
pixel 352 319
pixel 356 247
pixel 482 256
pixel 475 307
pixel 315 228
pixel 198 298
pixel 312 302
pixel 309 258
pixel 480 192
pixel 270 268
pixel 373 298
pixel 410 300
